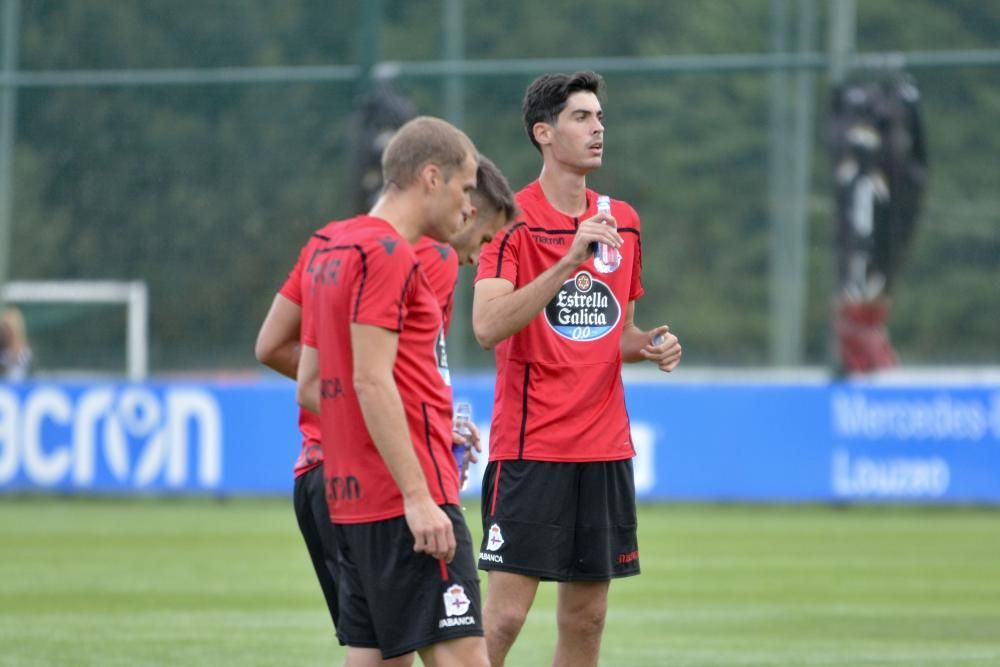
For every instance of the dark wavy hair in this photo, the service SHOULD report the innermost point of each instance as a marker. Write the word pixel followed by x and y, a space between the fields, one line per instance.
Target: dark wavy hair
pixel 547 95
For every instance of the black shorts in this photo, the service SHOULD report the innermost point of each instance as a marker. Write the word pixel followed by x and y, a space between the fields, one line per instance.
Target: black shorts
pixel 309 499
pixel 560 521
pixel 397 600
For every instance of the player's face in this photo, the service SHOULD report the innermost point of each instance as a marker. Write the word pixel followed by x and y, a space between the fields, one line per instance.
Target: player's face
pixel 452 204
pixel 478 230
pixel 577 138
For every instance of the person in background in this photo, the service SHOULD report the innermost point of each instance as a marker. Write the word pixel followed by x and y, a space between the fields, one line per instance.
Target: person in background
pixel 15 353
pixel 493 207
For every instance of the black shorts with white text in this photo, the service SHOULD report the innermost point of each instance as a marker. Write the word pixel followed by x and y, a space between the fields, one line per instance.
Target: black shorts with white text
pixel 397 600
pixel 560 521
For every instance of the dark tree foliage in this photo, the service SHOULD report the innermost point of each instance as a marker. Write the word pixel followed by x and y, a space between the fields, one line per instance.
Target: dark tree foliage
pixel 207 192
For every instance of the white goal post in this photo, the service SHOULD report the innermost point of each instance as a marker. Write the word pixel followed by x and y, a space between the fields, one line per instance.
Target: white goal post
pixel 132 294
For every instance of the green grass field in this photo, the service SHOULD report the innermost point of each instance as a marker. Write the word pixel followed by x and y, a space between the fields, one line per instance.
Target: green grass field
pixel 202 582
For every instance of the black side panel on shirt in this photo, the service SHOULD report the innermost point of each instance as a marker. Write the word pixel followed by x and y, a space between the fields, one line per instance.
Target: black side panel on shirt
pixel 430 450
pixel 524 409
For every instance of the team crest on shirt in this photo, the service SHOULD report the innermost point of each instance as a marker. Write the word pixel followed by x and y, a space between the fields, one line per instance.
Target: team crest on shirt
pixel 456 602
pixel 583 309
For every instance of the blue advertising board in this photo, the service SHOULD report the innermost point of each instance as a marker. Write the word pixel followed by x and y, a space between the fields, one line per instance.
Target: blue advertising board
pixel 708 441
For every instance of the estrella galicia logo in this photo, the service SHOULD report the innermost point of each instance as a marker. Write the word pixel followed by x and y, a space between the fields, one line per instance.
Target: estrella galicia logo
pixel 584 309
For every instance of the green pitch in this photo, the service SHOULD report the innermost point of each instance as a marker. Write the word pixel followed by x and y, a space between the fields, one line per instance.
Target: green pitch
pixel 202 582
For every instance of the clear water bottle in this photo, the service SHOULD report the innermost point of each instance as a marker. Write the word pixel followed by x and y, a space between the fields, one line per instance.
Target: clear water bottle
pixel 463 426
pixel 606 258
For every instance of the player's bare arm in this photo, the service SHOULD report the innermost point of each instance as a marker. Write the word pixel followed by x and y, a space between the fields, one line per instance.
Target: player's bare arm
pixel 637 344
pixel 499 311
pixel 277 345
pixel 307 379
pixel 374 354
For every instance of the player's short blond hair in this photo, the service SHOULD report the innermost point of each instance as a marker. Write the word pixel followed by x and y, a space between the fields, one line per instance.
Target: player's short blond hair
pixel 422 141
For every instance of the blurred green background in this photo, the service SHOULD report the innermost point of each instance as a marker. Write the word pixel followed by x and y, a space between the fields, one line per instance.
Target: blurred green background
pixel 206 191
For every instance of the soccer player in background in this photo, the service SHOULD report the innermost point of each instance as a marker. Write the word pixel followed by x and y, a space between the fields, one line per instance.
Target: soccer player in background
pixel 558 492
pixel 278 346
pixel 15 352
pixel 407 575
pixel 492 207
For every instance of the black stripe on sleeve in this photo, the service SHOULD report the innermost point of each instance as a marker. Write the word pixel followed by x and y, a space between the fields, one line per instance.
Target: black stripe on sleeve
pixel 638 248
pixel 503 245
pixel 402 295
pixel 364 279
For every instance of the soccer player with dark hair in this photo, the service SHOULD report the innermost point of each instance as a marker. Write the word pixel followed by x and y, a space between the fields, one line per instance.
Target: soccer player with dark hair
pixel 492 207
pixel 558 493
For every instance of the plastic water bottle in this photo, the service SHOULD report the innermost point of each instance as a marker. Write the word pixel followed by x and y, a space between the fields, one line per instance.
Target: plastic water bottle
pixel 462 426
pixel 606 258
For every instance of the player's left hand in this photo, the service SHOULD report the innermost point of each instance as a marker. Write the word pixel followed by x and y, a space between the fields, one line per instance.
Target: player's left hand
pixel 433 532
pixel 667 353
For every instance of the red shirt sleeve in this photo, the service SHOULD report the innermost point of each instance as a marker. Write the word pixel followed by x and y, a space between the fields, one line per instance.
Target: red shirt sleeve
pixel 308 333
pixel 300 291
pixel 499 257
pixel 636 290
pixel 292 289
